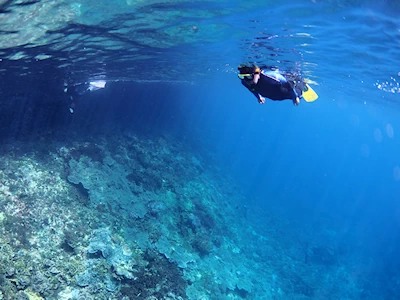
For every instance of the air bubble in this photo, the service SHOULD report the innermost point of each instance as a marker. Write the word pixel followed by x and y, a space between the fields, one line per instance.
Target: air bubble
pixel 389 130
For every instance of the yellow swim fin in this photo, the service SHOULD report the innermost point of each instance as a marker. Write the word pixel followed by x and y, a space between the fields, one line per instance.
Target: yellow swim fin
pixel 309 95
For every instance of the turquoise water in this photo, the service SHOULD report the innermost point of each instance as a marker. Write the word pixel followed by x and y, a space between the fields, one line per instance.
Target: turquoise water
pixel 172 182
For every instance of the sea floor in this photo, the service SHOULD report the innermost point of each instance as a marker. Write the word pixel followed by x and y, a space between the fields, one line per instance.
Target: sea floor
pixel 129 217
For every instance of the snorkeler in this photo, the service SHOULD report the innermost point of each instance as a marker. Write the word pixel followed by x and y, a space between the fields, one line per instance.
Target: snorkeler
pixel 274 85
pixel 74 91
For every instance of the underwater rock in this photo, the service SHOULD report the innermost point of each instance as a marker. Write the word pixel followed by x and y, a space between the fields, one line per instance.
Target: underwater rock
pixel 10 272
pixel 84 279
pixel 22 282
pixel 106 184
pixel 71 240
pixel 159 279
pixel 182 257
pixel 155 208
pixel 101 242
pixel 110 284
pixel 321 255
pixel 96 277
pixel 68 294
pixel 90 150
pixel 180 222
pixel 201 243
pixel 120 259
pixel 146 179
pixel 109 262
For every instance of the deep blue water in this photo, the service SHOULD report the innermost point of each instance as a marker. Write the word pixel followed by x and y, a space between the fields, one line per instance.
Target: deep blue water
pixel 332 166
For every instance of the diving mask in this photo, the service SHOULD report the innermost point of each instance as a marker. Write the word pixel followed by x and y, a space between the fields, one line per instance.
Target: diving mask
pixel 247 76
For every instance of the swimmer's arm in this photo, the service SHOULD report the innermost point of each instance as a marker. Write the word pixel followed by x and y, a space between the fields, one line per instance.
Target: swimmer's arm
pixel 260 98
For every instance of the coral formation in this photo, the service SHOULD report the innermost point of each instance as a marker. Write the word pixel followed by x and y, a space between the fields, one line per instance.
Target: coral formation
pixel 130 218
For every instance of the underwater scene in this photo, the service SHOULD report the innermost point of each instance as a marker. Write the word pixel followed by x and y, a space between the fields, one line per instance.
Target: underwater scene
pixel 199 150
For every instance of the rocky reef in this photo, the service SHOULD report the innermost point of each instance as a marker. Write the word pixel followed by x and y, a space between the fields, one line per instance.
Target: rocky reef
pixel 128 217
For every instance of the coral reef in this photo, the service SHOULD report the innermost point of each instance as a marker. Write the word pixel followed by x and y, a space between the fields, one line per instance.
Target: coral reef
pixel 136 218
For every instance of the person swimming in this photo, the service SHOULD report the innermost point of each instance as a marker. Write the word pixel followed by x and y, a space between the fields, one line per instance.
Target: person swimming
pixel 274 85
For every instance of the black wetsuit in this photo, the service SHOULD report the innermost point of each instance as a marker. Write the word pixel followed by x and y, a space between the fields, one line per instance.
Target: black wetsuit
pixel 272 85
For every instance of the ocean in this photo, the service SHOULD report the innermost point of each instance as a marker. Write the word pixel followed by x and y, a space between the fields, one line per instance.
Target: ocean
pixel 135 165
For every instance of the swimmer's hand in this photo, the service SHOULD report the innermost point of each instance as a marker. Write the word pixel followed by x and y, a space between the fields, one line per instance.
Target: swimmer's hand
pixel 261 100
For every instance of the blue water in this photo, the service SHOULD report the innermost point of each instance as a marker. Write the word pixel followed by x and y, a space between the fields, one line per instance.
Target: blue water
pixel 324 175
